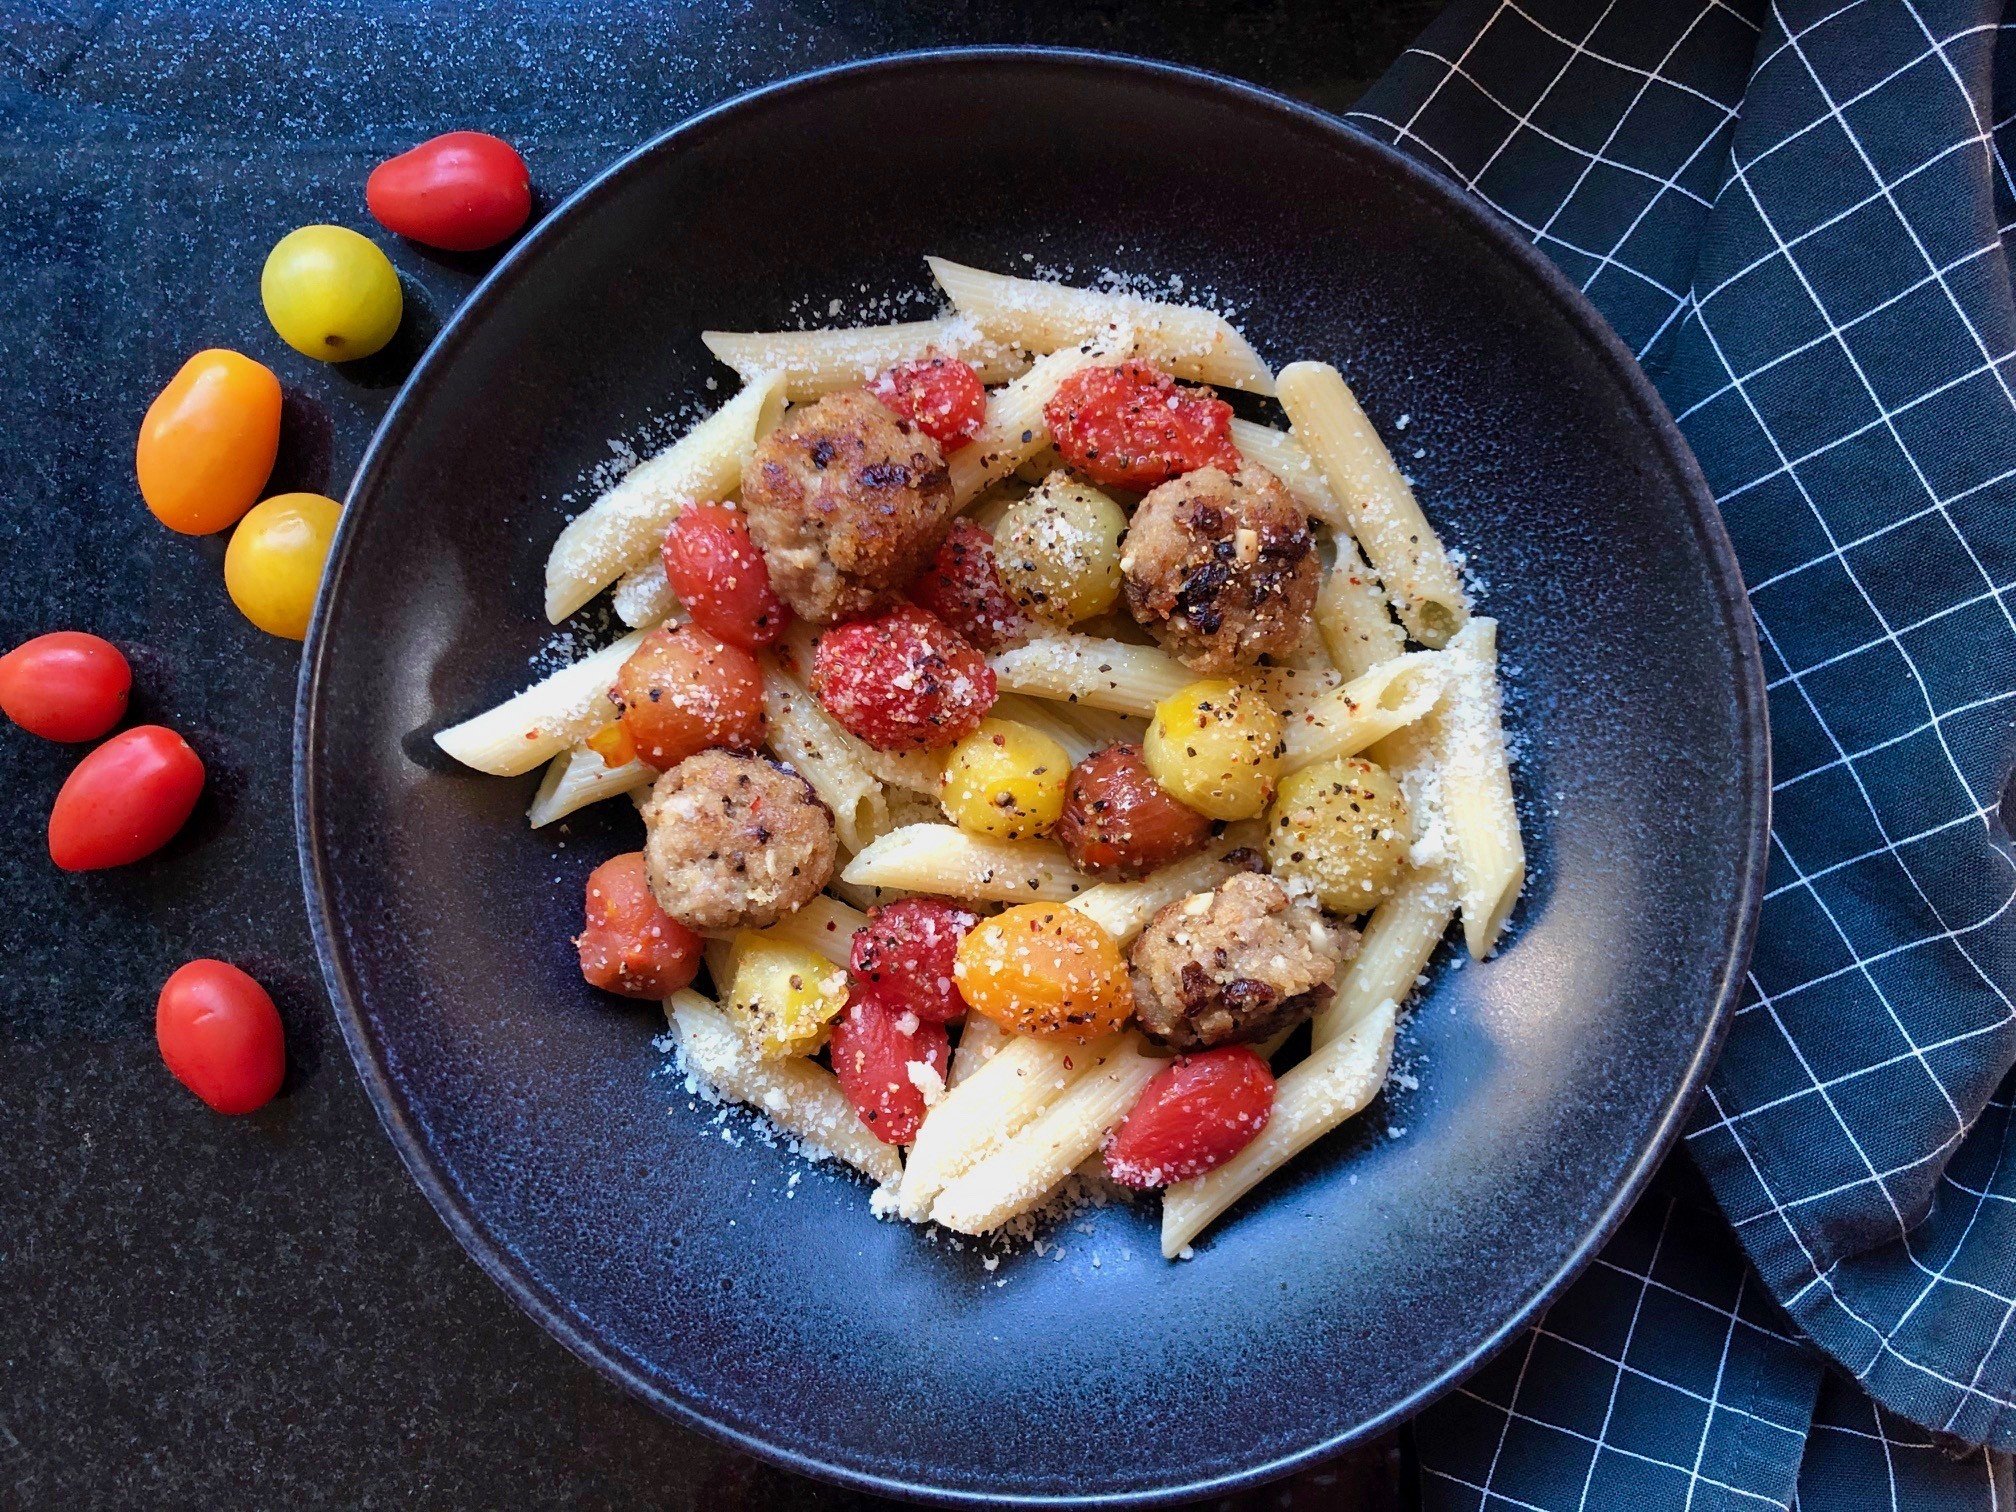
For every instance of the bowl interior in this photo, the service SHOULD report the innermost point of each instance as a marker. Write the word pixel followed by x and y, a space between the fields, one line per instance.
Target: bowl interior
pixel 671 1243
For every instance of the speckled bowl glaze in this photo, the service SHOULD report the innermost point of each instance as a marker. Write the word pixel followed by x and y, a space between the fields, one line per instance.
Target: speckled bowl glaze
pixel 710 1272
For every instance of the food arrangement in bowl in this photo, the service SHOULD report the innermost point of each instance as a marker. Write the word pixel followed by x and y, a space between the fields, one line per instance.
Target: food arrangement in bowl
pixel 1028 747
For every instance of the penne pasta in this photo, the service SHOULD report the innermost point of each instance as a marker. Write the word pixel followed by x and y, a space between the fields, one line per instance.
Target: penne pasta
pixel 1123 909
pixel 1365 710
pixel 1312 1098
pixel 1027 1167
pixel 1281 455
pixel 980 1040
pixel 1015 429
pixel 541 722
pixel 796 1094
pixel 643 597
pixel 940 858
pixel 1352 614
pixel 1191 342
pixel 812 363
pixel 803 734
pixel 625 527
pixel 985 1109
pixel 1106 674
pixel 578 777
pixel 1417 573
pixel 1477 788
pixel 1045 718
pixel 1392 953
pixel 824 925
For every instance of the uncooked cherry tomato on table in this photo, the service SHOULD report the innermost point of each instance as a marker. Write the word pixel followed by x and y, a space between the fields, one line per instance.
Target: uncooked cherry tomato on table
pixel 330 293
pixel 207 445
pixel 125 800
pixel 461 191
pixel 65 686
pixel 715 570
pixel 274 562
pixel 220 1035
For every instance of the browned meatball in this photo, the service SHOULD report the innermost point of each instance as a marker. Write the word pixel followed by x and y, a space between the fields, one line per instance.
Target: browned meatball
pixel 735 841
pixel 1222 569
pixel 1239 962
pixel 848 502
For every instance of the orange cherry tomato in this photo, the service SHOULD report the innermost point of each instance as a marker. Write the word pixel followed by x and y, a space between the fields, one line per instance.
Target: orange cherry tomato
pixel 221 1037
pixel 462 192
pixel 208 442
pixel 683 691
pixel 628 944
pixel 65 686
pixel 125 800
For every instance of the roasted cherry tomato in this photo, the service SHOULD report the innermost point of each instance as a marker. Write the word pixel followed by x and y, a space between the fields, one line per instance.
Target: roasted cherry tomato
pixel 963 587
pixel 273 565
pixel 65 686
pixel 874 1046
pixel 1045 969
pixel 613 744
pixel 941 396
pixel 208 442
pixel 1133 426
pixel 904 682
pixel 682 691
pixel 221 1037
pixel 330 293
pixel 718 574
pixel 629 945
pixel 906 952
pixel 461 191
pixel 1120 822
pixel 1192 1117
pixel 125 800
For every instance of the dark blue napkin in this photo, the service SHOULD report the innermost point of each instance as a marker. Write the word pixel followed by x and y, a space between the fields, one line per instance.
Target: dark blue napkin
pixel 1798 218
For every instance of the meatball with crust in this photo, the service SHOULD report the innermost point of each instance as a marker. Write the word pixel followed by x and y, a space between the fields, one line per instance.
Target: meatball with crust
pixel 735 841
pixel 849 502
pixel 1222 568
pixel 1239 962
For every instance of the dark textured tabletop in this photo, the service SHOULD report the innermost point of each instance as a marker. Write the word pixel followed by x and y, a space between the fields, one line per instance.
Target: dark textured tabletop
pixel 249 1312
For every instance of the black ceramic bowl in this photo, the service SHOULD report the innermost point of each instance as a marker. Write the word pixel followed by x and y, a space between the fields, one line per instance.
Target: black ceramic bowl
pixel 678 1255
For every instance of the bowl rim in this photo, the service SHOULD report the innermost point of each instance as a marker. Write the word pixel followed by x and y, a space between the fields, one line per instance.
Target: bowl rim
pixel 405 1131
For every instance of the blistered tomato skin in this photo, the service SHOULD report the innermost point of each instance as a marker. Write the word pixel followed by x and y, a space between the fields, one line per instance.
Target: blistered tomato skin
pixel 682 691
pixel 273 566
pixel 964 588
pixel 462 191
pixel 208 442
pixel 330 293
pixel 907 952
pixel 904 682
pixel 124 800
pixel 629 945
pixel 942 396
pixel 1045 969
pixel 65 686
pixel 715 570
pixel 874 1044
pixel 220 1035
pixel 1192 1117
pixel 1120 822
pixel 1133 426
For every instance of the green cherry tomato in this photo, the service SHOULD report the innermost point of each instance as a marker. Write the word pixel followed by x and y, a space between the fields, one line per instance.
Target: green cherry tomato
pixel 330 293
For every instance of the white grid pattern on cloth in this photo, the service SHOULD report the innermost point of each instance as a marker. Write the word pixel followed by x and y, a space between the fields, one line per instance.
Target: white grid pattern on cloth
pixel 1893 1465
pixel 1968 942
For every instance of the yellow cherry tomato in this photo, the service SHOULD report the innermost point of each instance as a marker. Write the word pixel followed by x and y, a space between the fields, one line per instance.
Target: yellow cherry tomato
pixel 1215 745
pixel 1045 969
pixel 1006 780
pixel 330 293
pixel 207 445
pixel 274 562
pixel 1342 826
pixel 785 995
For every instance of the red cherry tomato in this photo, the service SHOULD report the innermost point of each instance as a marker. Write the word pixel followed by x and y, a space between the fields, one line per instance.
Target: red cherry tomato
pixel 906 951
pixel 125 800
pixel 873 1046
pixel 1192 1117
pixel 721 578
pixel 461 192
pixel 1133 426
pixel 904 682
pixel 630 946
pixel 963 587
pixel 65 686
pixel 683 691
pixel 220 1035
pixel 941 396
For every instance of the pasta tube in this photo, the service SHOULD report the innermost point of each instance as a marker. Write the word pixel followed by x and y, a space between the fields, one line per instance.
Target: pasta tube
pixel 1190 342
pixel 626 526
pixel 812 363
pixel 578 777
pixel 798 1095
pixel 1282 455
pixel 1477 789
pixel 1015 429
pixel 824 926
pixel 1352 614
pixel 980 1040
pixel 1365 710
pixel 1310 1100
pixel 939 858
pixel 642 595
pixel 545 719
pixel 805 735
pixel 1123 909
pixel 1027 1167
pixel 1106 674
pixel 1399 937
pixel 1380 506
